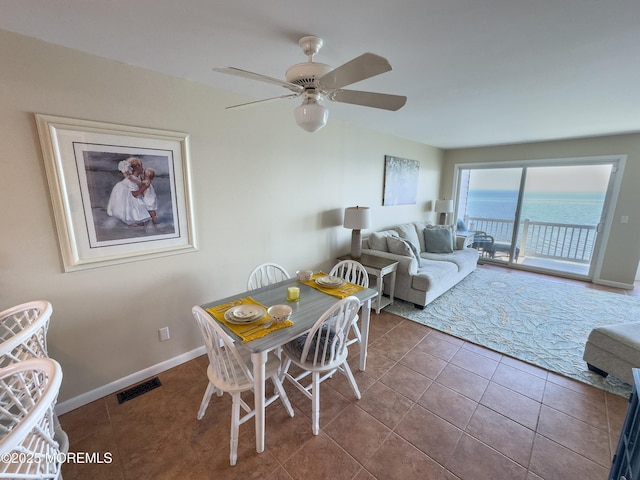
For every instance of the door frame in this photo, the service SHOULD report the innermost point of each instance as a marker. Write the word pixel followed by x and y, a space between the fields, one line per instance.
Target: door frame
pixel 609 203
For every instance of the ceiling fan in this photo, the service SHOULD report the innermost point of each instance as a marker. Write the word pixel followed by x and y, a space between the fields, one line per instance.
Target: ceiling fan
pixel 316 82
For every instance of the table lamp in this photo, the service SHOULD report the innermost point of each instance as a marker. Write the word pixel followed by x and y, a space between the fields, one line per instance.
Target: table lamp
pixel 356 218
pixel 444 207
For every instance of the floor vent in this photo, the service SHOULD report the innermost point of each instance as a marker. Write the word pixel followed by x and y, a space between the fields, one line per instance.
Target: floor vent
pixel 138 390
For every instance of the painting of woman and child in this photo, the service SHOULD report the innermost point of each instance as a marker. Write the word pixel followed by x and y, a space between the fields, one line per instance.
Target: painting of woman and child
pixel 131 194
pixel 119 193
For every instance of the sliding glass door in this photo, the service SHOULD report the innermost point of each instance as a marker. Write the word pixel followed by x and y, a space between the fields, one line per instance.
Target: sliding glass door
pixel 543 217
pixel 488 205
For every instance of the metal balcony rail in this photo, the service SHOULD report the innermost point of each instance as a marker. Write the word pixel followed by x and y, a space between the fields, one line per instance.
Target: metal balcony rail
pixel 559 241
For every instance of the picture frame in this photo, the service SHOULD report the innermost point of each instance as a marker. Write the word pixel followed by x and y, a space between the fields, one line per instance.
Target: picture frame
pixel 400 181
pixel 110 208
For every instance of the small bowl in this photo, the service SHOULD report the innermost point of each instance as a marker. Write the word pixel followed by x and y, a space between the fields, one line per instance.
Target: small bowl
pixel 304 275
pixel 280 313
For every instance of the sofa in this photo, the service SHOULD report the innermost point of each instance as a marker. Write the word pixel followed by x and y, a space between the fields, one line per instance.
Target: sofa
pixel 431 259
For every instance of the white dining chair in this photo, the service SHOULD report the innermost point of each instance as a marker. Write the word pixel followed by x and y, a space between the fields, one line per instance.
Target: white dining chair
pixel 230 371
pixel 266 274
pixel 23 335
pixel 321 352
pixel 354 272
pixel 28 393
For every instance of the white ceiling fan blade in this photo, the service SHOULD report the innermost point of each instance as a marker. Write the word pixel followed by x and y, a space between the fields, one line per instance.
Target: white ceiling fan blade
pixel 368 99
pixel 293 95
pixel 261 78
pixel 360 68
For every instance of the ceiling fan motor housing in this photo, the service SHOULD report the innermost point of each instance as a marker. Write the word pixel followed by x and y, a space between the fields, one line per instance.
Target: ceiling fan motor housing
pixel 307 74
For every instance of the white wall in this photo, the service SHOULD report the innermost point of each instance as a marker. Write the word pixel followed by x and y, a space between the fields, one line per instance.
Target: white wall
pixel 263 190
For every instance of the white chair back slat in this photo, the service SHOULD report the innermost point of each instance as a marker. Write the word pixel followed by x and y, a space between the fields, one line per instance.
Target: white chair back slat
pixel 266 274
pixel 351 271
pixel 228 365
pixel 327 338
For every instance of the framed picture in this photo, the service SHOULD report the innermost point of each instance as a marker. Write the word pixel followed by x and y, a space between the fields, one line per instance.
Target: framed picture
pixel 400 181
pixel 119 193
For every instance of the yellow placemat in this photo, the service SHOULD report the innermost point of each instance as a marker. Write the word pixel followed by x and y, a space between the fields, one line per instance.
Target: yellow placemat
pixel 341 292
pixel 246 332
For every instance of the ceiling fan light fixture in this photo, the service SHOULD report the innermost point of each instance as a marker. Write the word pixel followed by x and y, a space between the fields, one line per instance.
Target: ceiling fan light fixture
pixel 312 115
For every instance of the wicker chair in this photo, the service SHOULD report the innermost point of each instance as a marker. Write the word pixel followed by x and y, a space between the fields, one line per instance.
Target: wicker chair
pixel 28 392
pixel 23 335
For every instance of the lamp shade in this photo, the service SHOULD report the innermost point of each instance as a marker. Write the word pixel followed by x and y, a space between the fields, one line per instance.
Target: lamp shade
pixel 357 218
pixel 444 206
pixel 312 115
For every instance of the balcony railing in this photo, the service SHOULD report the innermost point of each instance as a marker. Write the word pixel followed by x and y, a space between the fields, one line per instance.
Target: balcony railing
pixel 558 241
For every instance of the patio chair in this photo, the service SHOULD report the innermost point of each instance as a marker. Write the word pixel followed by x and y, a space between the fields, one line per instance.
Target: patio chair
pixel 230 371
pixel 502 248
pixel 483 243
pixel 321 352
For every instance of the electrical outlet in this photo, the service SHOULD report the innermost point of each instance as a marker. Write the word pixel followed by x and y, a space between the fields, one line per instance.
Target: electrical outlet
pixel 163 333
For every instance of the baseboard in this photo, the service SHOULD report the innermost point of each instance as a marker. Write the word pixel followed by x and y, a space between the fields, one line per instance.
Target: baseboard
pixel 108 389
pixel 608 283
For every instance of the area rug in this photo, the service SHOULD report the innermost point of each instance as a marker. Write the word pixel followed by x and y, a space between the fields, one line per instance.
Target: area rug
pixel 542 322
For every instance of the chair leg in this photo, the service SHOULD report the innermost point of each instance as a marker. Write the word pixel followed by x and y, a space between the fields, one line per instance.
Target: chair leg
pixel 352 380
pixel 315 403
pixel 235 426
pixel 283 395
pixel 356 329
pixel 284 369
pixel 206 399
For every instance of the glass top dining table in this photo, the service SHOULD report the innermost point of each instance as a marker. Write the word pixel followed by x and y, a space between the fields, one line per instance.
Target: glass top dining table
pixel 312 304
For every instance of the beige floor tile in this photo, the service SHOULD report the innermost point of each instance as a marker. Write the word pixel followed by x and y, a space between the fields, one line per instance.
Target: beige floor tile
pixel 475 460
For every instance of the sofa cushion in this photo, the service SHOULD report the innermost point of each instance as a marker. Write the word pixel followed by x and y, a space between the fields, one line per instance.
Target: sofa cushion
pixel 408 232
pixel 433 273
pixel 398 246
pixel 463 259
pixel 378 240
pixel 439 239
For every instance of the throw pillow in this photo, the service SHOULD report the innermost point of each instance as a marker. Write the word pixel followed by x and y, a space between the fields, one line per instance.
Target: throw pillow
pixel 439 239
pixel 461 226
pixel 408 232
pixel 378 241
pixel 399 246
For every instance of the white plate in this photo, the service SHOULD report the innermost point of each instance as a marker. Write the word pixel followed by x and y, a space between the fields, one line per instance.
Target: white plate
pixel 244 314
pixel 330 281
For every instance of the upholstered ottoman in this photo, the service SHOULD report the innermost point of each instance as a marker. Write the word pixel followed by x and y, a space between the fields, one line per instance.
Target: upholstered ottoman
pixel 614 349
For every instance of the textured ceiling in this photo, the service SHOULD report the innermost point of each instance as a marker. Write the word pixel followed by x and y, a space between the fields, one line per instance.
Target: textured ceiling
pixel 476 72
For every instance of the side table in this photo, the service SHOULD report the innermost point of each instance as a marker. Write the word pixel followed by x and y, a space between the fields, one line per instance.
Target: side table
pixel 378 267
pixel 466 238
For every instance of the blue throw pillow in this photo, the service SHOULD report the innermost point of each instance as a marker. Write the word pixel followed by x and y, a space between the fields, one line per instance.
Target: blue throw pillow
pixel 438 239
pixel 461 227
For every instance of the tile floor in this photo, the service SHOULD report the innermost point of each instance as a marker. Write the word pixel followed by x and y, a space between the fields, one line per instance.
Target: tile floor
pixel 432 406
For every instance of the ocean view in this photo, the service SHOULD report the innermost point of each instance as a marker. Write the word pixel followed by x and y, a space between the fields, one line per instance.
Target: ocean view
pixel 581 208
